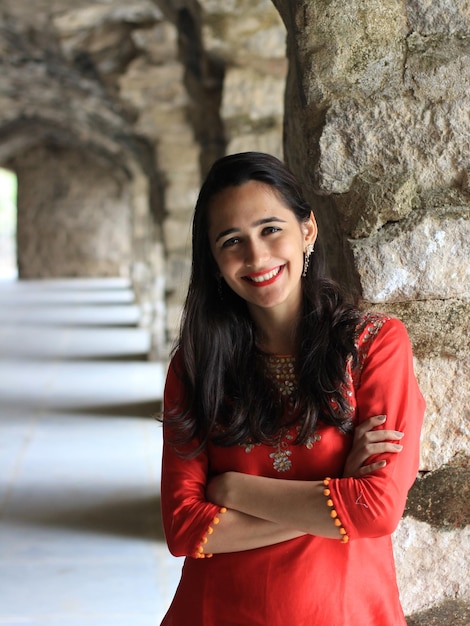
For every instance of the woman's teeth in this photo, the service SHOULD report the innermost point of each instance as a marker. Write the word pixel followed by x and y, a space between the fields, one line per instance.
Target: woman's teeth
pixel 265 277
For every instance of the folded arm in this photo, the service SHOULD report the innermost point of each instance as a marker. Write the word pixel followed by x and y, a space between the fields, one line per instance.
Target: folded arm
pixel 262 511
pixel 369 504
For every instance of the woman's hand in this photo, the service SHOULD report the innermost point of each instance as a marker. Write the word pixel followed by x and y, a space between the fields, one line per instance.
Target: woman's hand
pixel 368 442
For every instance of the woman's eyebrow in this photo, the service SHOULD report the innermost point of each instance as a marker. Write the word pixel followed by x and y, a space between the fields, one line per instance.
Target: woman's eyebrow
pixel 264 220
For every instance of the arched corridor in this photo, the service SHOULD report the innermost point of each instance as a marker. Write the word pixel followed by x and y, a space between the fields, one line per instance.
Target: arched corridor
pixel 80 534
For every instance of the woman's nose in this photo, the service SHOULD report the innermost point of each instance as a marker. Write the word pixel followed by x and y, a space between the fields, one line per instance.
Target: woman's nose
pixel 255 253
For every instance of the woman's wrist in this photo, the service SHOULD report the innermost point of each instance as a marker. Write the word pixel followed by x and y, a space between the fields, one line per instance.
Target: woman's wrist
pixel 220 489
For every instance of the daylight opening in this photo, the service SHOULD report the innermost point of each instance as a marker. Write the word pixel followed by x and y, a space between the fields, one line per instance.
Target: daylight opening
pixel 8 217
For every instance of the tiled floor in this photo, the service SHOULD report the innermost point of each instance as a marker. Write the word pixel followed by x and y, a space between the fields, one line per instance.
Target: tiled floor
pixel 81 542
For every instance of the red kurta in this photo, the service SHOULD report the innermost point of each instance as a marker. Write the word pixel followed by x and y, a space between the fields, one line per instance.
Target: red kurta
pixel 309 581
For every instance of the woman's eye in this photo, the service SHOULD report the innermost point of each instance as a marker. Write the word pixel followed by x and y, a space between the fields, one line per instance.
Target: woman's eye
pixel 268 230
pixel 230 242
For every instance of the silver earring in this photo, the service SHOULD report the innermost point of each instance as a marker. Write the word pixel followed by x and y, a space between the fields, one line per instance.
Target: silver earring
pixel 307 254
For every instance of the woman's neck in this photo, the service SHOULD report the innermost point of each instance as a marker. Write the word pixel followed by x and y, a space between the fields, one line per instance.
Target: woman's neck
pixel 276 335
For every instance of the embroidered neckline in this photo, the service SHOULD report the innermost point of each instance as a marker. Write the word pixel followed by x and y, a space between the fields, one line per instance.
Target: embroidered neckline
pixel 281 369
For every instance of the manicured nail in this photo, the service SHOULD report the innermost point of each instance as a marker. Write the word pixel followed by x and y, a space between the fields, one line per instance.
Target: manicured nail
pixel 397 446
pixel 381 418
pixel 399 434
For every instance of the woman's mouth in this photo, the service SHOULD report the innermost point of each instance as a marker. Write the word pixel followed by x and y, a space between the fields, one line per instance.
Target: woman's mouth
pixel 260 279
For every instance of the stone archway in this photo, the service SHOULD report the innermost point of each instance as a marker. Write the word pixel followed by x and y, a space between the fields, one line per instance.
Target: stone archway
pixel 73 214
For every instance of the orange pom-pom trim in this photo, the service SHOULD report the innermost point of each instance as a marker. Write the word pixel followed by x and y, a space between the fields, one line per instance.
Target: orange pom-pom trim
pixel 199 554
pixel 333 513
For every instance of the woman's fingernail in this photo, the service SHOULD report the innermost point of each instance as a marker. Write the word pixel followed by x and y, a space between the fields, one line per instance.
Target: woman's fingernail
pixel 397 446
pixel 381 418
pixel 399 434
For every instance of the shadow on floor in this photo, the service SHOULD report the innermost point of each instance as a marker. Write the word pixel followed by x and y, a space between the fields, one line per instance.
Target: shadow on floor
pixel 131 517
pixel 133 409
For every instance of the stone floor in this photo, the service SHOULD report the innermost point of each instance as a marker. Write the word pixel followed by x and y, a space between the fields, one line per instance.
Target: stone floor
pixel 80 533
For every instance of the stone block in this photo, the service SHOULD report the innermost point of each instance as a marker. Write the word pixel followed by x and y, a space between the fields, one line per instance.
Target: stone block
pixel 355 47
pixel 181 198
pixel 178 270
pixel 437 328
pixel 450 613
pixel 269 141
pixel 437 67
pixel 158 43
pixel 445 384
pixel 403 135
pixel 146 86
pixel 442 497
pixel 446 17
pixel 425 256
pixel 432 565
pixel 239 30
pixel 252 95
pixel 177 234
pixel 371 203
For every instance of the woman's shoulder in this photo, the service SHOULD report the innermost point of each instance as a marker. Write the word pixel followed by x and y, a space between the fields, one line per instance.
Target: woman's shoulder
pixel 175 371
pixel 370 326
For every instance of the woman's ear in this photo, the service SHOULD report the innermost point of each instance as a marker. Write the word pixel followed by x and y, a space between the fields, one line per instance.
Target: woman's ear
pixel 310 229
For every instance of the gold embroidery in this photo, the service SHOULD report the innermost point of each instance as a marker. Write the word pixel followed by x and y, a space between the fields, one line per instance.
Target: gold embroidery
pixel 282 371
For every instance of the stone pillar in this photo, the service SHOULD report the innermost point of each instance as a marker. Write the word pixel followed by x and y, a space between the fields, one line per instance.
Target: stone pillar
pixel 153 85
pixel 248 40
pixel 73 215
pixel 377 126
pixel 211 82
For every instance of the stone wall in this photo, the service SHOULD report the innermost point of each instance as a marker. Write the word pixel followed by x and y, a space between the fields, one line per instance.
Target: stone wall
pixel 83 221
pixel 377 126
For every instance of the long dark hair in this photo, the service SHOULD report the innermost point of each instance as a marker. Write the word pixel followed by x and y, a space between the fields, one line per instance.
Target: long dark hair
pixel 217 358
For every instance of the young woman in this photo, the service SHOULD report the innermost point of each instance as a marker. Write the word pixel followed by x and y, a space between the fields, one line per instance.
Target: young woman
pixel 282 475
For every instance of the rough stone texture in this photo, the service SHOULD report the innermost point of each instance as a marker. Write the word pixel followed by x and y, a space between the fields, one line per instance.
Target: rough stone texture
pixel 426 138
pixel 84 221
pixel 442 497
pixel 434 537
pixel 450 613
pixel 432 565
pixel 438 328
pixel 425 257
pixel 446 430
pixel 377 127
pixel 371 203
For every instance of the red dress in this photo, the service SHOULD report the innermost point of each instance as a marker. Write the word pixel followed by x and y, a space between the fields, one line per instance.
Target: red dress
pixel 309 581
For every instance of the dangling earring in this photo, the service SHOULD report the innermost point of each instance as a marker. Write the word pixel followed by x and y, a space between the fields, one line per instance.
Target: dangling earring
pixel 307 254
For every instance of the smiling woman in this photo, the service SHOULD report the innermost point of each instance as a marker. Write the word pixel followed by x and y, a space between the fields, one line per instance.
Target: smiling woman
pixel 281 484
pixel 258 245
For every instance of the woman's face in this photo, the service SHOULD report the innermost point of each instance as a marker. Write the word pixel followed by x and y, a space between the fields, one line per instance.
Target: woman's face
pixel 258 245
